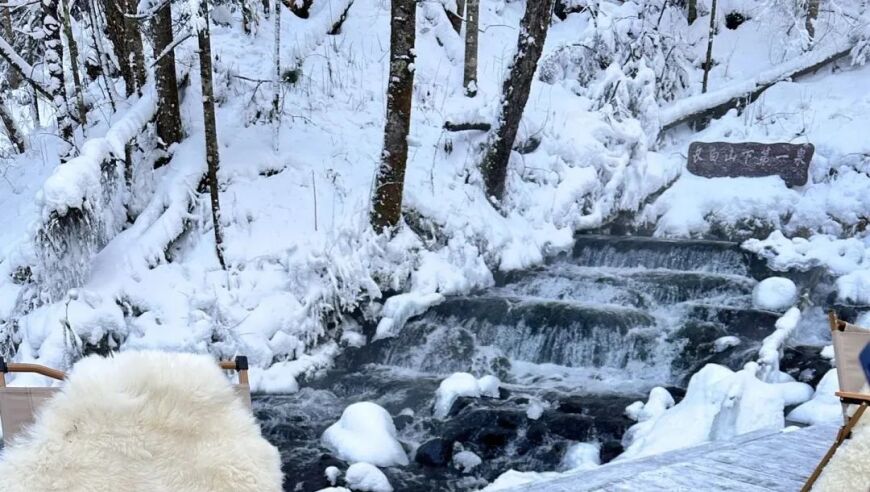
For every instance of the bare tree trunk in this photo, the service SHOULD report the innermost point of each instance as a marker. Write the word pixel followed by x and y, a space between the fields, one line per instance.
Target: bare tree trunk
pixel 387 202
pixel 13 77
pixel 54 67
pixel 515 94
pixel 812 16
pixel 247 16
pixel 12 130
pixel 117 32
pixel 708 64
pixel 73 48
pixel 456 18
pixel 471 32
pixel 212 154
pixel 133 37
pixel 99 49
pixel 276 83
pixel 692 11
pixel 169 129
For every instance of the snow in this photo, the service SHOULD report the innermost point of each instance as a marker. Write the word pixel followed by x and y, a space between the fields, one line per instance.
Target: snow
pixel 466 461
pixel 724 343
pixel 581 456
pixel 463 384
pixel 399 308
pixel 824 407
pixel 773 345
pixel 365 477
pixel 332 473
pixel 774 294
pixel 718 405
pixel 512 479
pixel 365 433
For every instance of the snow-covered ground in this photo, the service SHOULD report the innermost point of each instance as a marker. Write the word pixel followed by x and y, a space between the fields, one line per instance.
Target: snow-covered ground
pixel 301 254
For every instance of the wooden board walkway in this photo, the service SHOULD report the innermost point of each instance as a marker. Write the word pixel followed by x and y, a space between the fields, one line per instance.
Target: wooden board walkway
pixel 755 462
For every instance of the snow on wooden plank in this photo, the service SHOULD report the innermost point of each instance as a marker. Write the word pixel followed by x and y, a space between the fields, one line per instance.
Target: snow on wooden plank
pixel 764 460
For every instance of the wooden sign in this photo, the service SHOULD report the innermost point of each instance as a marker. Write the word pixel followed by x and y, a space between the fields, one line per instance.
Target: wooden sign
pixel 751 159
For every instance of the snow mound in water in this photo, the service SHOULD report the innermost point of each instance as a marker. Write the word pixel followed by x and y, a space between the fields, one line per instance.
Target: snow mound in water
pixel 719 404
pixel 143 421
pixel 365 477
pixel 365 433
pixel 465 461
pixel 463 384
pixel 774 294
pixel 824 407
pixel 582 456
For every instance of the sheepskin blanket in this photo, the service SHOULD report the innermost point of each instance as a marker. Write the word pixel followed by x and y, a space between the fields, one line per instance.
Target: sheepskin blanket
pixel 143 421
pixel 849 468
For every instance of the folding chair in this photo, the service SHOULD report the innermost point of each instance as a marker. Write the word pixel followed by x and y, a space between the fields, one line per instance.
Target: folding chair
pixel 849 340
pixel 18 405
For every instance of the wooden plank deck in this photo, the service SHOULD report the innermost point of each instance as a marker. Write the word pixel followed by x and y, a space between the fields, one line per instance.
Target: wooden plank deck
pixel 756 462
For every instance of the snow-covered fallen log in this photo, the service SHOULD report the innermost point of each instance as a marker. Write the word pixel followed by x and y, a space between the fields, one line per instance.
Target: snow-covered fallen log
pixel 717 103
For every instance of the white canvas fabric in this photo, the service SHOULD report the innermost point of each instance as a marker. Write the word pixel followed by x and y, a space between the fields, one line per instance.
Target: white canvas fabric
pixel 143 421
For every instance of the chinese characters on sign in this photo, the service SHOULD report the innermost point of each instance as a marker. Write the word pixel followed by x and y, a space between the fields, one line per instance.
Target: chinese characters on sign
pixel 721 159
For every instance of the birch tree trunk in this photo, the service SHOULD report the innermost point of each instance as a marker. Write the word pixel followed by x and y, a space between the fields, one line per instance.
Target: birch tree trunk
pixel 54 67
pixel 515 95
pixel 169 129
pixel 812 16
pixel 692 15
pixel 390 181
pixel 13 77
pixel 212 154
pixel 12 130
pixel 708 64
pixel 73 49
pixel 471 33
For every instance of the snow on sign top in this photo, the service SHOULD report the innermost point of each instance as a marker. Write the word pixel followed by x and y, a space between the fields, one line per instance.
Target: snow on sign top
pixel 751 159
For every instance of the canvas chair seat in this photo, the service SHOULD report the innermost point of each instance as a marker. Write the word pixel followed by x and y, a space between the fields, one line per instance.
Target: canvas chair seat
pixel 19 405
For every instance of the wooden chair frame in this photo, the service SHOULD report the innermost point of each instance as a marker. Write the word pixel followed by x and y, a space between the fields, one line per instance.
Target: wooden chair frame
pixel 846 398
pixel 240 364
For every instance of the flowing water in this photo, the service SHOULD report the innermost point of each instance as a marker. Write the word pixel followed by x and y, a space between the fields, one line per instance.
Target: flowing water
pixel 581 337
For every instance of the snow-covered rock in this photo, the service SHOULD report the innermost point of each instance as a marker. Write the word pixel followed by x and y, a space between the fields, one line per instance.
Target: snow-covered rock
pixel 581 456
pixel 719 404
pixel 774 294
pixel 365 477
pixel 365 433
pixel 463 384
pixel 824 407
pixel 465 461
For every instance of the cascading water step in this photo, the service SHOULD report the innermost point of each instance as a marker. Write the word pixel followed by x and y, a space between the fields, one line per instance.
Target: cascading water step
pixel 646 252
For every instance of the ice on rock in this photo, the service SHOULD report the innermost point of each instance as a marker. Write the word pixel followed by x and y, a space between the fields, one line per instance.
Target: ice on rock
pixel 332 473
pixel 465 461
pixel 724 343
pixel 463 384
pixel 581 456
pixel 534 410
pixel 365 477
pixel 774 294
pixel 824 407
pixel 365 433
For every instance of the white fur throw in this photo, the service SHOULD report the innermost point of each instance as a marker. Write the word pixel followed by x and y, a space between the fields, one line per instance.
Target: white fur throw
pixel 143 421
pixel 849 468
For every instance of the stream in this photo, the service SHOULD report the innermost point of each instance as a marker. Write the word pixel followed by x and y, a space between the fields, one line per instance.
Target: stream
pixel 580 337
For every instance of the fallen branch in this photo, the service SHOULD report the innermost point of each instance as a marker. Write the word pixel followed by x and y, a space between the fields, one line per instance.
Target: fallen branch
pixel 464 127
pixel 27 72
pixel 716 103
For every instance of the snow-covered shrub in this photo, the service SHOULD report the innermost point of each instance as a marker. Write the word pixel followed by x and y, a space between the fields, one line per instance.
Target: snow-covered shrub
pixel 626 59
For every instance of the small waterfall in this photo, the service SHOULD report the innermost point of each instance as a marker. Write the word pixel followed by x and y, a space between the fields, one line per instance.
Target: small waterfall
pixel 639 308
